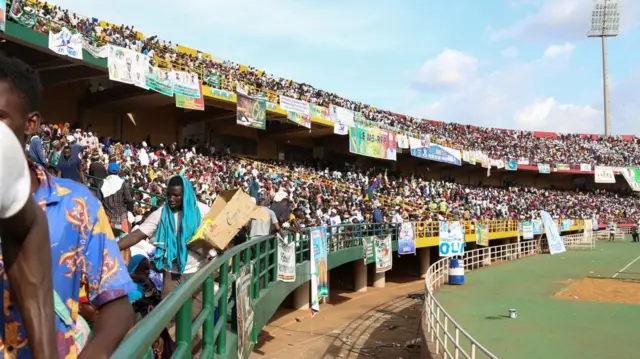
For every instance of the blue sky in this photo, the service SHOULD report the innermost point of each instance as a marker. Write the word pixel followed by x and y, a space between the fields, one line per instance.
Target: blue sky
pixel 523 64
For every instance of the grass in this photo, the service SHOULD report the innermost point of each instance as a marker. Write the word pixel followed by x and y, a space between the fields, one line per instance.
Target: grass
pixel 546 327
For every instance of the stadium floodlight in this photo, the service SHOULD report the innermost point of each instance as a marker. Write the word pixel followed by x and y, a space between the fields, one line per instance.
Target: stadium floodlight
pixel 605 22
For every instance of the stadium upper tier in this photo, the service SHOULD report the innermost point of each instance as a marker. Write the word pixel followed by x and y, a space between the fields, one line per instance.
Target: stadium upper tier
pixel 528 147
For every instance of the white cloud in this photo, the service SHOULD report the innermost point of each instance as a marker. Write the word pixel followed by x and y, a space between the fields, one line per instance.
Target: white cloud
pixel 563 19
pixel 557 50
pixel 449 69
pixel 510 53
pixel 508 98
pixel 549 115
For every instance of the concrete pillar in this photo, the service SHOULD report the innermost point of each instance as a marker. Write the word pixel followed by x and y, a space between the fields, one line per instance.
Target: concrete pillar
pixel 359 276
pixel 301 296
pixel 379 280
pixel 425 260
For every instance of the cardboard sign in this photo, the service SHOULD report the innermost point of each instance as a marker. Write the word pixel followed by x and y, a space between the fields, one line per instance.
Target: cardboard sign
pixel 230 211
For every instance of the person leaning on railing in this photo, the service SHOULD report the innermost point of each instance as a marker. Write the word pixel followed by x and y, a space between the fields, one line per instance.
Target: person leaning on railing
pixel 172 226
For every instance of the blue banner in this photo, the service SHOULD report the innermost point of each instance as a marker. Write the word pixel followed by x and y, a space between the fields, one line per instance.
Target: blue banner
pixel 537 226
pixel 512 165
pixel 438 153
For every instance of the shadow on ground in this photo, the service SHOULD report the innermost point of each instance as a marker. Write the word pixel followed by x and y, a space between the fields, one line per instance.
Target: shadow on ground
pixel 389 331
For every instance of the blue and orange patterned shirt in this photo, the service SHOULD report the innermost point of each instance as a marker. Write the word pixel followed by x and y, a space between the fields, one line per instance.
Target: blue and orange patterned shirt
pixel 84 253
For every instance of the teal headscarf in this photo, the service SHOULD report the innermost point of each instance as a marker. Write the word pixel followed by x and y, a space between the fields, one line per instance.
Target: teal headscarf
pixel 138 293
pixel 172 246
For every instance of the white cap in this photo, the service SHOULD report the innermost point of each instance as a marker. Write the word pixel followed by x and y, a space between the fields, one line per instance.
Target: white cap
pixel 71 138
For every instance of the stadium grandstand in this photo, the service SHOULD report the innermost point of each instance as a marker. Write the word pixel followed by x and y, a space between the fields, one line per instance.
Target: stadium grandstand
pixel 146 109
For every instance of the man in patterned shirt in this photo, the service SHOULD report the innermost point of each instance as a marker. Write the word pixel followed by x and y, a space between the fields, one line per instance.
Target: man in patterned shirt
pixel 27 257
pixel 84 252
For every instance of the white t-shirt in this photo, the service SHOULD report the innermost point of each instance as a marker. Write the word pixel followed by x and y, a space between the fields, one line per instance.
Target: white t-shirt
pixel 14 174
pixel 195 260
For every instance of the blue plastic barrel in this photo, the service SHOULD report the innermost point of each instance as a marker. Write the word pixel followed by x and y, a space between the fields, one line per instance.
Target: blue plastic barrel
pixel 456 271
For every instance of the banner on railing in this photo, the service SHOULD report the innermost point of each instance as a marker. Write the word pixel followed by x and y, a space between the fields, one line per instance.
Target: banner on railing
pixel 403 141
pixel 435 152
pixel 632 176
pixel 556 245
pixel 537 226
pixel 482 234
pixel 299 119
pixel 368 250
pixel 23 14
pixel 191 103
pixel 320 112
pixel 319 271
pixel 384 254
pixel 340 129
pixel 342 115
pixel 99 52
pixel 294 105
pixel 407 238
pixel 604 175
pixel 286 261
pixel 3 16
pixel 66 43
pixel 251 111
pixel 544 168
pixel 185 84
pixel 585 167
pixel 372 142
pixel 245 311
pixel 212 78
pixel 451 239
pixel 527 230
pixel 596 225
pixel 566 224
pixel 158 80
pixel 128 66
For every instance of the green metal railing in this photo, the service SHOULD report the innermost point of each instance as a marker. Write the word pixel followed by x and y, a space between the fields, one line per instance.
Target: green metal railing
pixel 261 253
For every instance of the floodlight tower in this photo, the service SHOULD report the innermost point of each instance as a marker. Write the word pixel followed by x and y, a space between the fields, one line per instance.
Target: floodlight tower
pixel 605 22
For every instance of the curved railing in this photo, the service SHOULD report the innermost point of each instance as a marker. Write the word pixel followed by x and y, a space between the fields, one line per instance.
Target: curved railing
pixel 218 331
pixel 444 335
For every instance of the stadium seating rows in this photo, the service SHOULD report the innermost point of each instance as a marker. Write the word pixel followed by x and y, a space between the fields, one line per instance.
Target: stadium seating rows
pixel 570 150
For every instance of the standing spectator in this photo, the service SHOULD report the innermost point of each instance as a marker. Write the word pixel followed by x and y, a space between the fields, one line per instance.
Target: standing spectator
pixel 259 228
pixel 70 166
pixel 98 172
pixel 54 157
pixel 117 202
pixel 36 151
pixel 281 207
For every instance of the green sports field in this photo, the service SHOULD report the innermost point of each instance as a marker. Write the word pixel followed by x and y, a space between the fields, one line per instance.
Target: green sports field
pixel 546 327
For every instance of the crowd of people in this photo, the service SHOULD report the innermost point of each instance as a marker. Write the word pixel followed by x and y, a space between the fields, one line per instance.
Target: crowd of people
pixel 322 194
pixel 568 149
pixel 153 196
